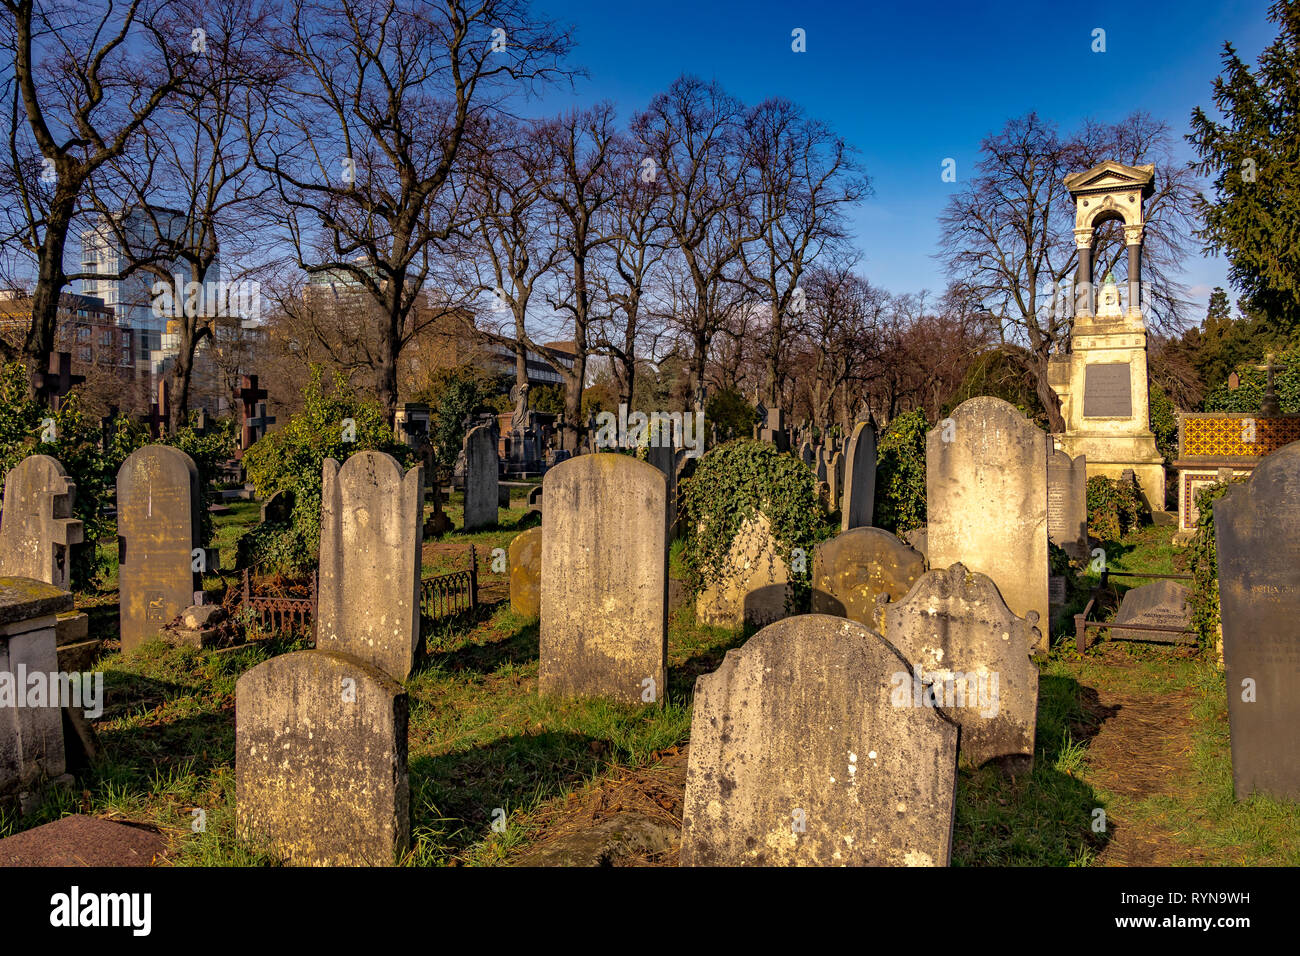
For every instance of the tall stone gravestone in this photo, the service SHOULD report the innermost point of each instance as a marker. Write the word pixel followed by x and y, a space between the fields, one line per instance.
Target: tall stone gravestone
pixel 369 593
pixel 854 569
pixel 835 478
pixel 801 755
pixel 37 529
pixel 663 458
pixel 974 656
pixel 859 478
pixel 1257 533
pixel 1067 503
pixel 158 537
pixel 482 494
pixel 604 579
pixel 320 767
pixel 986 501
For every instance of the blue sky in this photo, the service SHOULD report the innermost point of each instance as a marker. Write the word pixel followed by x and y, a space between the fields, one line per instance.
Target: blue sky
pixel 909 84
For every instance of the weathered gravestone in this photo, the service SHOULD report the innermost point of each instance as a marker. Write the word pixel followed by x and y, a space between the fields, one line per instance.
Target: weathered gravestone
pixel 37 532
pixel 801 755
pixel 663 458
pixel 37 529
pixel 1067 503
pixel 157 540
pixel 31 724
pixel 526 573
pixel 320 765
pixel 278 509
pixel 973 656
pixel 986 501
pixel 1161 604
pixel 859 478
pixel 853 569
pixel 482 494
pixel 752 586
pixel 918 538
pixel 368 598
pixel 835 479
pixel 604 620
pixel 1257 534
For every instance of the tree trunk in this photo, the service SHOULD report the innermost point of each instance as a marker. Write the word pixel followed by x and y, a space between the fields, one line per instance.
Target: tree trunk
pixel 50 280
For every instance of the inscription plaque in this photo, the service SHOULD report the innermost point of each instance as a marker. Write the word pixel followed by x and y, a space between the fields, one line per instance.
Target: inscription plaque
pixel 1107 392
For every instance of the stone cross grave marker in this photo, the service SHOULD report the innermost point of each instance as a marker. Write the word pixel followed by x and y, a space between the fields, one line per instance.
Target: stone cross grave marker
pixel 37 530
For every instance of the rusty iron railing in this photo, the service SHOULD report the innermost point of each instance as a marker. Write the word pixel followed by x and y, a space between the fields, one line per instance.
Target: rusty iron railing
pixel 448 595
pixel 279 613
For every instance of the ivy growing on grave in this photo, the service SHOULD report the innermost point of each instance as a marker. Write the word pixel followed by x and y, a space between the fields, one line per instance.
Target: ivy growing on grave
pixel 1204 558
pixel 732 484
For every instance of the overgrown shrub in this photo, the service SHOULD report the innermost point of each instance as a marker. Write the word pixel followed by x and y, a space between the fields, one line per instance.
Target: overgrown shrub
pixel 1204 558
pixel 1114 507
pixel 292 458
pixel 1164 422
pixel 733 416
pixel 900 474
pixel 732 484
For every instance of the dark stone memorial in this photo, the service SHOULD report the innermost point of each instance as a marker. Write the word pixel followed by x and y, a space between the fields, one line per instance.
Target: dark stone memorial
pixel 1257 533
pixel 1107 392
pixel 1162 604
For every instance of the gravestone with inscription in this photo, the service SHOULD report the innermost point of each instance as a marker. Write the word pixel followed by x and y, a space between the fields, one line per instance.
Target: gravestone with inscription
pixel 804 754
pixel 1162 604
pixel 974 655
pixel 859 478
pixel 604 580
pixel 1067 503
pixel 986 501
pixel 369 592
pixel 1257 534
pixel 1107 391
pixel 158 540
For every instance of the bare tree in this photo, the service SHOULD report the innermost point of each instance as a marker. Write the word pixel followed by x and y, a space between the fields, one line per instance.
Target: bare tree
pixel 801 179
pixel 192 180
pixel 385 91
pixel 691 134
pixel 80 84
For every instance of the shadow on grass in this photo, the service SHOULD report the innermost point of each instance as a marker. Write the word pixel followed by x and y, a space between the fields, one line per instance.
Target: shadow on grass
pixel 454 795
pixel 517 648
pixel 1045 818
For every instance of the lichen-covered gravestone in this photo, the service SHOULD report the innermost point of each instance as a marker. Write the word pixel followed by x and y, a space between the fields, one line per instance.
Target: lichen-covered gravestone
pixel 752 586
pixel 986 500
pixel 369 592
pixel 859 478
pixel 801 755
pixel 1162 604
pixel 482 492
pixel 974 655
pixel 604 617
pixel 158 537
pixel 1257 534
pixel 526 573
pixel 853 569
pixel 37 529
pixel 320 765
pixel 1067 503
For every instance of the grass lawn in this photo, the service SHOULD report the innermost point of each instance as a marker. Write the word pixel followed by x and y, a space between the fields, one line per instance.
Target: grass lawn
pixel 1132 766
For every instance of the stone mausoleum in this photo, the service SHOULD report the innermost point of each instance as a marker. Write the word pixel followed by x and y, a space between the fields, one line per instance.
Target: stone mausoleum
pixel 1102 379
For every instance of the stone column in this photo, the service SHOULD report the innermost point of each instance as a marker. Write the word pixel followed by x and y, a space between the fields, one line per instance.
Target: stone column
pixel 1083 276
pixel 1133 239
